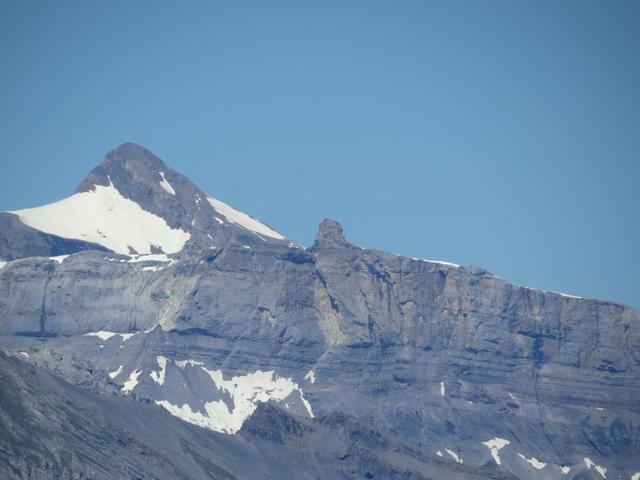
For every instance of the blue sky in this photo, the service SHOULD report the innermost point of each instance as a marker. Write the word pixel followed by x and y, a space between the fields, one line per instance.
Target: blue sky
pixel 504 134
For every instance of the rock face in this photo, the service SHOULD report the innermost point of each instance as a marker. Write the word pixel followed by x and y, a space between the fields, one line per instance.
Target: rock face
pixel 52 429
pixel 453 363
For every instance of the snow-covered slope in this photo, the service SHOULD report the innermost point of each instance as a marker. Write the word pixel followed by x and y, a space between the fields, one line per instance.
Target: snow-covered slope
pixel 131 203
pixel 246 393
pixel 243 220
pixel 105 217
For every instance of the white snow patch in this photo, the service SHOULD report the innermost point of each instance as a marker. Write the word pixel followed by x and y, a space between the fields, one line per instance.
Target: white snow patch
pixel 166 185
pixel 512 396
pixel 495 444
pixel 2 263
pixel 158 377
pixel 121 260
pixel 263 386
pixel 453 455
pixel 566 295
pixel 218 220
pixel 246 246
pixel 153 269
pixel 242 219
pixel 259 236
pixel 115 373
pixel 311 376
pixel 154 257
pixel 565 470
pixel 106 335
pixel 105 217
pixel 635 476
pixel 448 264
pixel 246 391
pixel 24 354
pixel 439 453
pixel 442 389
pixel 535 463
pixel 600 409
pixel 59 258
pixel 162 259
pixel 184 363
pixel 131 382
pixel 102 335
pixel 590 464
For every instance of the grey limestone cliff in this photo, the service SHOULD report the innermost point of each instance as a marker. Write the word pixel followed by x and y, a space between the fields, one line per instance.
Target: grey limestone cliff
pixel 463 367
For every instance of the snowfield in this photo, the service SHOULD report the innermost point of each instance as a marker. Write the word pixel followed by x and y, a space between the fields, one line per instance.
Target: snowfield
pixel 105 217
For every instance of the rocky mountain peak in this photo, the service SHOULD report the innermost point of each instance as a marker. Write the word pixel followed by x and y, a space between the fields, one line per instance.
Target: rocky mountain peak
pixel 135 158
pixel 131 203
pixel 126 165
pixel 330 235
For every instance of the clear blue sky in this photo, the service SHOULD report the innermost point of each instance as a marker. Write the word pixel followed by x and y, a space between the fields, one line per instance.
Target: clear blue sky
pixel 504 134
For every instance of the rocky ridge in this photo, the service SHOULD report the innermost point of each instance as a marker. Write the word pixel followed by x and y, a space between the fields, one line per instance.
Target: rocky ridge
pixel 458 363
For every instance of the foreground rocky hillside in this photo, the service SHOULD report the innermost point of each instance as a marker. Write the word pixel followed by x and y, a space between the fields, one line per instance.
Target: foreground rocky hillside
pixel 52 429
pixel 159 293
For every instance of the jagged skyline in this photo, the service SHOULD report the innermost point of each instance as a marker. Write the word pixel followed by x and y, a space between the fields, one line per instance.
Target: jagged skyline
pixel 501 135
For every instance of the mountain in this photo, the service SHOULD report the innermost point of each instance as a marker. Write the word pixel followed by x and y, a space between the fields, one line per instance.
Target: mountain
pixel 132 203
pixel 140 285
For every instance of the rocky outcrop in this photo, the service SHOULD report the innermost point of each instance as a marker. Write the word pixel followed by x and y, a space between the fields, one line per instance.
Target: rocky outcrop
pixel 330 235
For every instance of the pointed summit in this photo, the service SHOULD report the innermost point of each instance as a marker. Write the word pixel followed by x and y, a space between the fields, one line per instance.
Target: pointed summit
pixel 133 150
pixel 123 205
pixel 128 162
pixel 133 203
pixel 330 235
pixel 142 177
pixel 135 158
